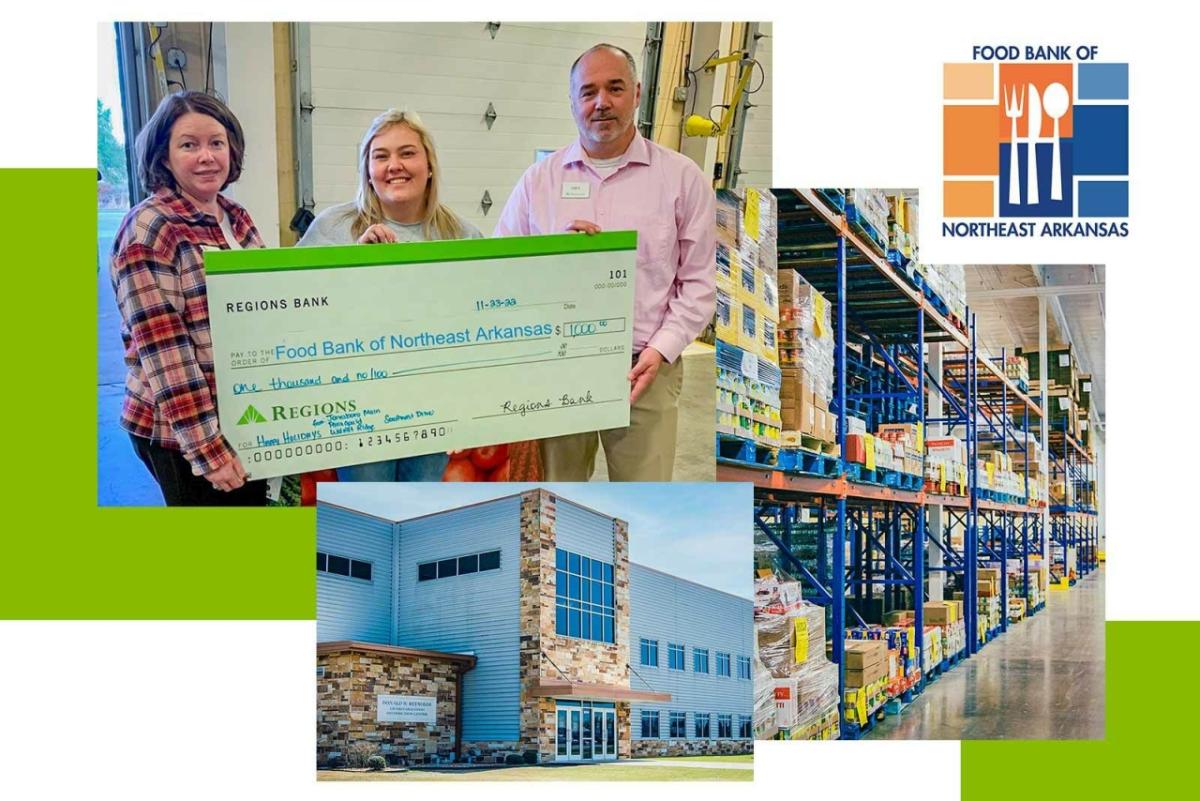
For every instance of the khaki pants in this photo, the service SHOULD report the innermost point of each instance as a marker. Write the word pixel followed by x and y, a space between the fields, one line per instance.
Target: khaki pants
pixel 645 451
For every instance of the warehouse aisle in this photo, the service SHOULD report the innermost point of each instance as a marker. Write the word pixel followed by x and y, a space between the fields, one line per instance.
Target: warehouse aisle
pixel 1043 679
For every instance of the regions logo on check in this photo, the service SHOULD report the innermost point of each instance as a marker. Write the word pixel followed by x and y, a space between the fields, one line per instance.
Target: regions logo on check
pixel 304 411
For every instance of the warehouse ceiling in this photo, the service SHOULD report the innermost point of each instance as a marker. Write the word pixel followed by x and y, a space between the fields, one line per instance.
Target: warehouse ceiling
pixel 1012 320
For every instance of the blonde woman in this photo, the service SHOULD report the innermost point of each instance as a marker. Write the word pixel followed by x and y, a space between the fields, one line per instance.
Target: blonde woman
pixel 397 201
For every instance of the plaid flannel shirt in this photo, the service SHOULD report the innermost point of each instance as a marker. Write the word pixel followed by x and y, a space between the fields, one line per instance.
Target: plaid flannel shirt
pixel 157 270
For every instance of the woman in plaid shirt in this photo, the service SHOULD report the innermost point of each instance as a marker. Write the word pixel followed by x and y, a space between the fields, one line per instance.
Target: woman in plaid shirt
pixel 189 151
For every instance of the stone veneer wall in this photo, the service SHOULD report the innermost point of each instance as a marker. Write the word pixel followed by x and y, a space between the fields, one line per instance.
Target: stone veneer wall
pixel 658 748
pixel 346 704
pixel 582 660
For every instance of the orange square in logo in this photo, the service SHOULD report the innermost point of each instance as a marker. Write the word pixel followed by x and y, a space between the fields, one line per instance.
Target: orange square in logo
pixel 968 199
pixel 968 81
pixel 1018 77
pixel 970 145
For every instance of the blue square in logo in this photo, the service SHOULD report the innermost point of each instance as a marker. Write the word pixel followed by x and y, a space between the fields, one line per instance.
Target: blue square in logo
pixel 1103 198
pixel 1101 135
pixel 1046 205
pixel 1103 82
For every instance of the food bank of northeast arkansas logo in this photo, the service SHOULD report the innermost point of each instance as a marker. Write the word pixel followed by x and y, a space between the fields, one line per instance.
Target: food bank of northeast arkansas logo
pixel 1040 148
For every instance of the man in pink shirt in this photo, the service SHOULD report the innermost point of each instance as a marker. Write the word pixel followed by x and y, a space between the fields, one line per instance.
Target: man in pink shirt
pixel 613 179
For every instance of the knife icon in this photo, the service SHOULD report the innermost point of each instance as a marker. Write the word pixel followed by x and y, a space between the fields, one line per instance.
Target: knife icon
pixel 1032 134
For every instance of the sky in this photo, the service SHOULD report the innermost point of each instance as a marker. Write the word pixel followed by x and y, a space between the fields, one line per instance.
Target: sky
pixel 700 532
pixel 108 88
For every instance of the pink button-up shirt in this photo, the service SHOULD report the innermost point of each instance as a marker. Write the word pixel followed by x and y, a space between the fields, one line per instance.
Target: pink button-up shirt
pixel 658 193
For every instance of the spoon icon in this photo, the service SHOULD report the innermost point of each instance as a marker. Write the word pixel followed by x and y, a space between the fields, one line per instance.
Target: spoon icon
pixel 1055 102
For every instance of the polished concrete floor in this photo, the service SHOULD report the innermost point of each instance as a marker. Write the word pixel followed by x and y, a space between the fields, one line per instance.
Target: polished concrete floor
pixel 1042 679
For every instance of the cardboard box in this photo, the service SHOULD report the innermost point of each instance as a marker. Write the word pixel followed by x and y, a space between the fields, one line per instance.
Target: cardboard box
pixel 861 677
pixel 990 573
pixel 856 448
pixel 796 382
pixel 789 287
pixel 938 613
pixel 899 617
pixel 798 413
pixel 861 654
pixel 986 589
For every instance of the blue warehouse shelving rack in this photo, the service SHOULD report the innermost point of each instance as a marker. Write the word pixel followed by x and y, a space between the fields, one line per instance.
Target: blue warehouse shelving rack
pixel 1073 517
pixel 855 538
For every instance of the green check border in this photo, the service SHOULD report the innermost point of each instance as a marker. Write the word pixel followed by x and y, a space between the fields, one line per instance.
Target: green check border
pixel 259 260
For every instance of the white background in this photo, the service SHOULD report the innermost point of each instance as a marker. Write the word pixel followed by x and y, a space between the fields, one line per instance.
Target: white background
pixel 196 709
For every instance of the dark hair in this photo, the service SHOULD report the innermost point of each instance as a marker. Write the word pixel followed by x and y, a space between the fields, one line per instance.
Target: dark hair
pixel 155 138
pixel 620 51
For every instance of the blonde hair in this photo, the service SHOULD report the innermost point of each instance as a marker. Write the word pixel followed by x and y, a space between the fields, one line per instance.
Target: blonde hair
pixel 439 221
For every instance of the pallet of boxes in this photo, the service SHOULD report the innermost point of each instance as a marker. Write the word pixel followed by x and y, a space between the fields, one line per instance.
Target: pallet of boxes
pixel 1068 396
pixel 907 441
pixel 747 316
pixel 867 213
pixel 790 637
pixel 946 466
pixel 806 368
pixel 1025 460
pixel 989 588
pixel 865 693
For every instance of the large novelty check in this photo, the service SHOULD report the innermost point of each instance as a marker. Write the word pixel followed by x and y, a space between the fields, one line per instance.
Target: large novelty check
pixel 336 356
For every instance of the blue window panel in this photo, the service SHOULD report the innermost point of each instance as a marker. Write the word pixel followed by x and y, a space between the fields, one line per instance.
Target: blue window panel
pixel 722 664
pixel 560 584
pixel 586 623
pixel 597 627
pixel 585 566
pixel 575 590
pixel 745 727
pixel 1103 198
pixel 700 660
pixel 1100 140
pixel 560 559
pixel 703 727
pixel 608 596
pixel 743 667
pixel 560 620
pixel 1103 82
pixel 608 573
pixel 598 571
pixel 678 725
pixel 573 562
pixel 675 656
pixel 724 726
pixel 574 624
pixel 609 634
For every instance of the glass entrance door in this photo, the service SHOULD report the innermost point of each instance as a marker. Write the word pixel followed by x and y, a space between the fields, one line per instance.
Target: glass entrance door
pixel 604 721
pixel 585 731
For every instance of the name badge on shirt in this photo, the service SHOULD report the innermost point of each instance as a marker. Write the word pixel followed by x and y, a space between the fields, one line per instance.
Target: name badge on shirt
pixel 576 189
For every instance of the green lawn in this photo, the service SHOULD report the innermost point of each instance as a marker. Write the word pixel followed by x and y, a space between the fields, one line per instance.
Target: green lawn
pixel 626 770
pixel 747 758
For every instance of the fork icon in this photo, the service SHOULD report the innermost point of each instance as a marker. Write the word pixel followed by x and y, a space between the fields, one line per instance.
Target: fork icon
pixel 1013 109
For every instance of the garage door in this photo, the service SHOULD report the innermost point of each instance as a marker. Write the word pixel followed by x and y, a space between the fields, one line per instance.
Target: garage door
pixel 449 73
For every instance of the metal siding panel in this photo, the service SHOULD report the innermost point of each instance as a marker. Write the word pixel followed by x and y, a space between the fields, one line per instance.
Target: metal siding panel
pixel 672 610
pixel 584 532
pixel 347 608
pixel 478 612
pixel 448 73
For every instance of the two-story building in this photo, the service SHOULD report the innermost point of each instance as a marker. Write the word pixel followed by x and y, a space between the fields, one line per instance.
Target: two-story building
pixel 518 628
